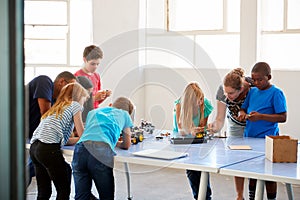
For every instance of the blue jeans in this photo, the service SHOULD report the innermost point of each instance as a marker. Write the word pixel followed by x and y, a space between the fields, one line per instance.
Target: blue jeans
pixel 194 179
pixel 93 161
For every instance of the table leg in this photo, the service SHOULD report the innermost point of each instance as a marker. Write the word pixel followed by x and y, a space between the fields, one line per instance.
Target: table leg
pixel 203 185
pixel 259 192
pixel 127 173
pixel 289 190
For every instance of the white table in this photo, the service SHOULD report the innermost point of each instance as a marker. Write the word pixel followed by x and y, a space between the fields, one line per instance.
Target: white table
pixel 214 157
pixel 205 157
pixel 262 169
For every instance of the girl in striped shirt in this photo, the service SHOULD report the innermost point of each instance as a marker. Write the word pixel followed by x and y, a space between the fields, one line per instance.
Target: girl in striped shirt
pixel 53 132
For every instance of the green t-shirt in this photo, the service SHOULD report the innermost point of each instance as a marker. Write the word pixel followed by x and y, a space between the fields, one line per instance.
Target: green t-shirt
pixel 208 108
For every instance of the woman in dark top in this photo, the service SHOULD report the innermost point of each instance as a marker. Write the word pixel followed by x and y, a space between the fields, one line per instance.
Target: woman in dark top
pixel 230 97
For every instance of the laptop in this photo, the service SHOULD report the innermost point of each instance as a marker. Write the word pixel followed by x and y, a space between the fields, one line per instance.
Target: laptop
pixel 160 154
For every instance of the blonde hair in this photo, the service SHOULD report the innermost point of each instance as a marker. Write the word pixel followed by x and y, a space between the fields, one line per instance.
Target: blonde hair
pixel 70 92
pixel 235 79
pixel 189 99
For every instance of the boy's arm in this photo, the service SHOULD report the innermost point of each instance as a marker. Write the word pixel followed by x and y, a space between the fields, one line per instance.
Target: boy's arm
pixel 126 140
pixel 255 116
pixel 101 95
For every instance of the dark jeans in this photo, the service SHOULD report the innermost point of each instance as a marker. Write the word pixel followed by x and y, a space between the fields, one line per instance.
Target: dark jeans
pixel 50 164
pixel 194 179
pixel 93 161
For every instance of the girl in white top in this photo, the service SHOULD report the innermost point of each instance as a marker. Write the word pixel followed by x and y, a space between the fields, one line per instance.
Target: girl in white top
pixel 53 132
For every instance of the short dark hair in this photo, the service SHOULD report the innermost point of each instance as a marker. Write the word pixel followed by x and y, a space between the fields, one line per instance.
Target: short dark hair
pixel 92 52
pixel 66 75
pixel 262 67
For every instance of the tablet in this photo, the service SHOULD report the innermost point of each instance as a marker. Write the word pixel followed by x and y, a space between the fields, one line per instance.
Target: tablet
pixel 160 154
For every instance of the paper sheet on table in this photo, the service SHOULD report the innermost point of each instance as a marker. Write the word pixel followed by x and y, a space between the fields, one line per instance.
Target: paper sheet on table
pixel 239 147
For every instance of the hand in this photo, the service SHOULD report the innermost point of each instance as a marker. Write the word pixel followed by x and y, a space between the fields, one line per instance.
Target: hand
pixel 212 127
pixel 100 95
pixel 182 132
pixel 196 130
pixel 253 116
pixel 108 93
pixel 242 116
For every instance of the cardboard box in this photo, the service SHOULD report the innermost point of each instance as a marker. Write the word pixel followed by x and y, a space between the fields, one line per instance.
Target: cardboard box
pixel 281 149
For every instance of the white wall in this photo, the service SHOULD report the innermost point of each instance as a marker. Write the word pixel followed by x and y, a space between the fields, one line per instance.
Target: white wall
pixel 116 26
pixel 131 64
pixel 287 81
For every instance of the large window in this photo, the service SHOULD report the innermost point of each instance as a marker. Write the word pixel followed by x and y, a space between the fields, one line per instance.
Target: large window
pixel 215 24
pixel 280 33
pixel 56 33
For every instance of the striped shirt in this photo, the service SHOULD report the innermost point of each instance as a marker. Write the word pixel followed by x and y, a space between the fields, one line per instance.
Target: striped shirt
pixel 57 130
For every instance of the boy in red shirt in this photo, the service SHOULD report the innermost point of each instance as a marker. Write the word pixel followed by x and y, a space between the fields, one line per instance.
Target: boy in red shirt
pixel 92 56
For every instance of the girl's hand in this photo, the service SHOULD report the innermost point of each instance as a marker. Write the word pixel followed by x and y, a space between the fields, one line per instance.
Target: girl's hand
pixel 182 132
pixel 196 130
pixel 242 116
pixel 212 127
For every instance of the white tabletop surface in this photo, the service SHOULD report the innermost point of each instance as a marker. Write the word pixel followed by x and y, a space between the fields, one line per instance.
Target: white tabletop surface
pixel 209 157
pixel 262 168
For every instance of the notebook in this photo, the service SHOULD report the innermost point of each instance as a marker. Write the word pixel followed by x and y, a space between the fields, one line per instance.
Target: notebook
pixel 239 147
pixel 160 154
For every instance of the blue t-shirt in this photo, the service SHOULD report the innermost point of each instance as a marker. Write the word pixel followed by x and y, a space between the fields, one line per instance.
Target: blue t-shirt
pixel 105 125
pixel 39 87
pixel 270 101
pixel 196 119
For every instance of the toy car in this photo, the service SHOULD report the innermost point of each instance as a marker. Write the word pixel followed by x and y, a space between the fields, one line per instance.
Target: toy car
pixel 147 126
pixel 137 135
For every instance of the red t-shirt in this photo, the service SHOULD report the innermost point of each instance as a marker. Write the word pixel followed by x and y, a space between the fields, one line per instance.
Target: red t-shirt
pixel 95 78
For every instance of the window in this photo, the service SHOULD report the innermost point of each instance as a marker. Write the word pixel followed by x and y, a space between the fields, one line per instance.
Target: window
pixel 214 24
pixel 280 33
pixel 189 15
pixel 56 33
